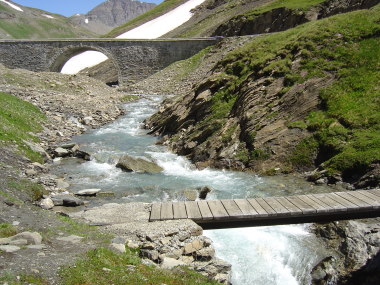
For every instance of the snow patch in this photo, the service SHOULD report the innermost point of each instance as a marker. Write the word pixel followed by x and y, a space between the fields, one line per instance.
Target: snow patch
pixel 12 5
pixel 150 30
pixel 48 16
pixel 163 24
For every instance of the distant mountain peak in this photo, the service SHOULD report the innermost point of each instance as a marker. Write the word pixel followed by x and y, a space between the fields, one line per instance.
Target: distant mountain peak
pixel 110 14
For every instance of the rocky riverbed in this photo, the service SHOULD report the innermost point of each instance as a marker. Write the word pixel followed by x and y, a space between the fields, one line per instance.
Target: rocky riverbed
pixel 73 104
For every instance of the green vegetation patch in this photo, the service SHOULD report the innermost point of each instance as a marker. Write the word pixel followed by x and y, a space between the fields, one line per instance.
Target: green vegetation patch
pixel 346 129
pixel 129 98
pixel 88 232
pixel 21 279
pixel 18 121
pixel 102 266
pixel 33 190
pixel 301 5
pixel 157 11
pixel 7 230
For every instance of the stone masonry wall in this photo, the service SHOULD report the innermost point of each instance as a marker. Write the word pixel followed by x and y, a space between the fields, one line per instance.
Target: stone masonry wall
pixel 134 59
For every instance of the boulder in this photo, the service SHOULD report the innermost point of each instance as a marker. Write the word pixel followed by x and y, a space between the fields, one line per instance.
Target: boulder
pixel 203 191
pixel 31 237
pixel 47 204
pixel 82 154
pixel 130 164
pixel 193 246
pixel 169 263
pixel 71 239
pixel 88 192
pixel 4 241
pixel 61 152
pixel 66 200
pixel 117 247
pixel 9 248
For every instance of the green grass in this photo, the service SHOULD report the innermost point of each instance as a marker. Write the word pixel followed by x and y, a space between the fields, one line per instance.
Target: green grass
pixel 7 230
pixel 33 190
pixel 129 98
pixel 18 120
pixel 301 5
pixel 102 266
pixel 157 11
pixel 346 46
pixel 12 279
pixel 83 230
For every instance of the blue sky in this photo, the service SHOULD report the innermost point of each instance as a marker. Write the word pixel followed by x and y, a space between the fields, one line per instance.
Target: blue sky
pixel 66 7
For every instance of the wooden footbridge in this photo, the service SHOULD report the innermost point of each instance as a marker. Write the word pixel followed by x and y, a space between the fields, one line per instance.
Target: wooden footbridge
pixel 216 214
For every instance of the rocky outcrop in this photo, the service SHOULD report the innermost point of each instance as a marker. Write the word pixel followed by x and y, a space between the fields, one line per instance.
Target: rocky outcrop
pixel 110 14
pixel 355 257
pixel 280 19
pixel 166 243
pixel 136 164
pixel 257 123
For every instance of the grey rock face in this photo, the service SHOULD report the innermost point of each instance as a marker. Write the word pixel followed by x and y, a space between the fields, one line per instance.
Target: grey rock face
pixel 110 14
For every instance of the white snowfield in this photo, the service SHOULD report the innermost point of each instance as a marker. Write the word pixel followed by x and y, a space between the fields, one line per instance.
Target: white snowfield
pixel 12 5
pixel 150 30
pixel 48 16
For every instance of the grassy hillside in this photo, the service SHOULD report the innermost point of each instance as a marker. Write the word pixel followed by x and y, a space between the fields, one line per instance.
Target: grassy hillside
pixel 248 113
pixel 18 121
pixel 346 129
pixel 35 24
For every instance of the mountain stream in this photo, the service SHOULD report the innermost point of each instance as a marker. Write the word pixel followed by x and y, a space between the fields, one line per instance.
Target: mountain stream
pixel 262 255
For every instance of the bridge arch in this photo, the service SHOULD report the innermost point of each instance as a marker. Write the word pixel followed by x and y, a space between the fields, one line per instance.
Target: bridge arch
pixel 69 52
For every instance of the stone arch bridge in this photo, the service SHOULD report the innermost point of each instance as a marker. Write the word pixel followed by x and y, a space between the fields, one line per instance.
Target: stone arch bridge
pixel 133 59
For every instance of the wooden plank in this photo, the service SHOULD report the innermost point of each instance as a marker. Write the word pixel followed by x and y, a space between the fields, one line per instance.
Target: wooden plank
pixel 320 202
pixel 232 209
pixel 179 210
pixel 313 203
pixel 305 208
pixel 370 195
pixel 260 210
pixel 364 198
pixel 335 206
pixel 245 207
pixel 294 210
pixel 205 210
pixel 155 213
pixel 277 206
pixel 217 209
pixel 266 207
pixel 375 192
pixel 192 210
pixel 349 205
pixel 363 205
pixel 167 211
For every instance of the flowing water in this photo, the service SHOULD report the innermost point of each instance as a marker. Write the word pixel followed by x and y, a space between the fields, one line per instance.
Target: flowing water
pixel 263 255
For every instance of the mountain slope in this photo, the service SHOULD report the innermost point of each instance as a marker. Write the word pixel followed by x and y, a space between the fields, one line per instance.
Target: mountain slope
pixel 20 22
pixel 110 14
pixel 247 17
pixel 294 100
